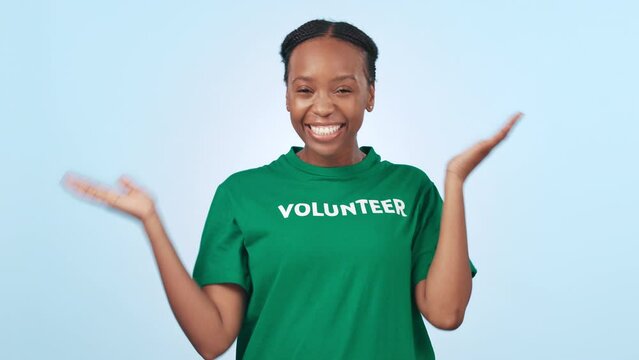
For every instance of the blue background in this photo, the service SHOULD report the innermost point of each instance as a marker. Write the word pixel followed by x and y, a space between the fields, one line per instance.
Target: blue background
pixel 181 94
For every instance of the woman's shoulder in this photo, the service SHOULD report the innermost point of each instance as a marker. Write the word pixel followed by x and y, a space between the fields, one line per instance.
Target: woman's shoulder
pixel 408 171
pixel 255 176
pixel 245 176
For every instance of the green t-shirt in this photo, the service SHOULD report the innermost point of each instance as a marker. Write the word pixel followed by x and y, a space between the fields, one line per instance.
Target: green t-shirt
pixel 329 257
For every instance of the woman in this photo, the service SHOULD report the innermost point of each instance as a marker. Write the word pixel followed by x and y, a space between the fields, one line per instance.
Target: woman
pixel 327 252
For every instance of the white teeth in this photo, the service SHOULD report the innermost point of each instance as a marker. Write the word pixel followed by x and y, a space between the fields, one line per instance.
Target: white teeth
pixel 325 130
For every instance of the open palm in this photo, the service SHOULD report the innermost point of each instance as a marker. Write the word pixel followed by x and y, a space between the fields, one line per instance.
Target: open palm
pixel 462 164
pixel 132 200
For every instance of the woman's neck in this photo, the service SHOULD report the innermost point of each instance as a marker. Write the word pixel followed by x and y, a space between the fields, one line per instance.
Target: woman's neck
pixel 331 160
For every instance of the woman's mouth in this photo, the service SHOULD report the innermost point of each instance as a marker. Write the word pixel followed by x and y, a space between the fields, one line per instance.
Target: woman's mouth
pixel 325 132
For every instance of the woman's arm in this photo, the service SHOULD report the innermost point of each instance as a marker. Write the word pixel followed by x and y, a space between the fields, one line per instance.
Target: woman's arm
pixel 445 292
pixel 449 282
pixel 197 314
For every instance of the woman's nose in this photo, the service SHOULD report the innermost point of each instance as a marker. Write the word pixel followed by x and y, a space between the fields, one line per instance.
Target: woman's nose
pixel 323 104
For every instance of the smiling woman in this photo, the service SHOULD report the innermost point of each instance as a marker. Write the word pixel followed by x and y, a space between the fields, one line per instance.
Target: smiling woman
pixel 317 223
pixel 327 252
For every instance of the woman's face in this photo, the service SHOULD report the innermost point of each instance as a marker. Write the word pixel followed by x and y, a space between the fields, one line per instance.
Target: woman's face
pixel 327 93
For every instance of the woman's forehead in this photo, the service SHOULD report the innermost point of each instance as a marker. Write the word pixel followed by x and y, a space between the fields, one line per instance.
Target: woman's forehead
pixel 326 56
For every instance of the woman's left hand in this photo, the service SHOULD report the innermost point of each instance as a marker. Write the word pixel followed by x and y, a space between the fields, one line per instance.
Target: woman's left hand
pixel 462 164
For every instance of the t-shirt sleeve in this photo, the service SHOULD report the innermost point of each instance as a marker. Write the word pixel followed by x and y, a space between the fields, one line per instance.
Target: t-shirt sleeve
pixel 222 257
pixel 429 208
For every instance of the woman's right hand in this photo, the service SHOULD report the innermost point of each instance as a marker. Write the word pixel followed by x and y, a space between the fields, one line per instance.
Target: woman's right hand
pixel 133 200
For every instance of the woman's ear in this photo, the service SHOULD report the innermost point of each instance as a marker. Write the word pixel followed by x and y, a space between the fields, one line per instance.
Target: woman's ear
pixel 371 98
pixel 287 101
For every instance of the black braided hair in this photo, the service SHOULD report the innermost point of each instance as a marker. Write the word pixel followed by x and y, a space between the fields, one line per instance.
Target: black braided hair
pixel 341 30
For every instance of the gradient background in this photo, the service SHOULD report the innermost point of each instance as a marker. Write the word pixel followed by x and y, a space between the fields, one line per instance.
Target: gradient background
pixel 179 95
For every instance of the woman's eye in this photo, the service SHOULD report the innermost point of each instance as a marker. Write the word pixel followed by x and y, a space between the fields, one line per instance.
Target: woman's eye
pixel 343 90
pixel 303 91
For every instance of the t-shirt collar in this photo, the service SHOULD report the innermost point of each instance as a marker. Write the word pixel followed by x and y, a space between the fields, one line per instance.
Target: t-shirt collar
pixel 366 163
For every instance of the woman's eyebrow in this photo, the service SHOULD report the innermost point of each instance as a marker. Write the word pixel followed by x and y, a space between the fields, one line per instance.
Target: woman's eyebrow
pixel 337 78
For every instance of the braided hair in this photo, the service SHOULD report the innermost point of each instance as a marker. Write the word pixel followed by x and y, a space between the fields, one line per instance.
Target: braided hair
pixel 341 30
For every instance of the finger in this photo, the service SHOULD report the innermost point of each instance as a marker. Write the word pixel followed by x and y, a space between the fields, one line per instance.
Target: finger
pixel 128 183
pixel 95 192
pixel 503 132
pixel 69 179
pixel 105 195
pixel 75 183
pixel 512 121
